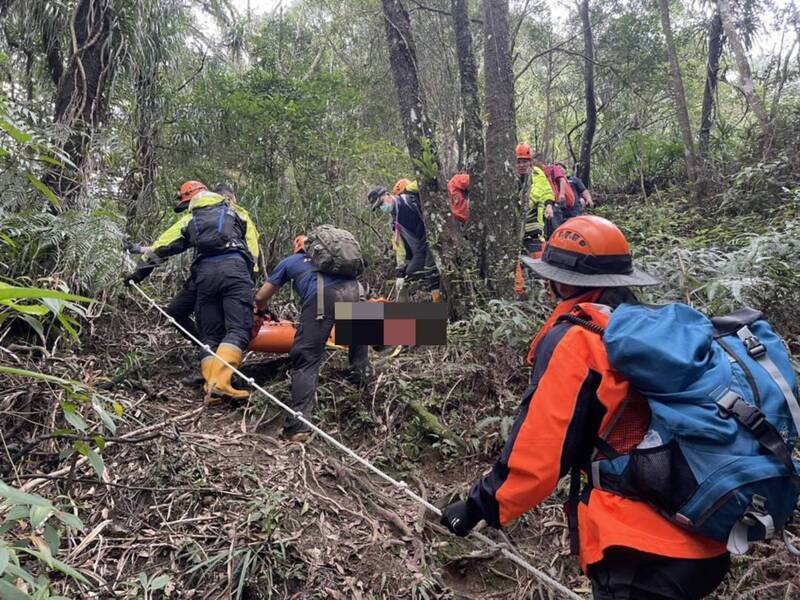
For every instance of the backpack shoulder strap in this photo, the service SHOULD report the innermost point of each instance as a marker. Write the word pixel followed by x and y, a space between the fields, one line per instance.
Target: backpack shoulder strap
pixel 585 323
pixel 759 353
pixel 320 296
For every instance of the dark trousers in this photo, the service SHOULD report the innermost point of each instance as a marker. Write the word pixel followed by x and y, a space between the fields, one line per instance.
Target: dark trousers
pixel 224 300
pixel 423 268
pixel 309 348
pixel 181 308
pixel 626 574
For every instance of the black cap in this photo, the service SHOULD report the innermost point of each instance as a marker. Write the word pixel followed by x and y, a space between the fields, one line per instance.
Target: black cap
pixel 375 195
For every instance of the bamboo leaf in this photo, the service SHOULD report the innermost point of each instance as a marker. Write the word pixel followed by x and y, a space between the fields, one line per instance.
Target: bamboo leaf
pixel 13 292
pixel 3 559
pixel 16 496
pixel 11 592
pixel 97 462
pixel 70 520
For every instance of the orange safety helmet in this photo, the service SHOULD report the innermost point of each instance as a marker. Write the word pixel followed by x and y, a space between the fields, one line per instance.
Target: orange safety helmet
pixel 524 151
pixel 188 191
pixel 400 186
pixel 588 251
pixel 299 243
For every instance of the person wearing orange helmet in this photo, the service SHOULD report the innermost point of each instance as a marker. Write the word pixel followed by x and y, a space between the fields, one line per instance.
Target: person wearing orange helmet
pixel 313 330
pixel 400 186
pixel 626 547
pixel 538 199
pixel 225 243
pixel 182 306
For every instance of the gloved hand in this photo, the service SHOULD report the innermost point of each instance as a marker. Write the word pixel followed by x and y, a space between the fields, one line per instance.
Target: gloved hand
pixel 459 519
pixel 131 277
pixel 132 248
pixel 399 283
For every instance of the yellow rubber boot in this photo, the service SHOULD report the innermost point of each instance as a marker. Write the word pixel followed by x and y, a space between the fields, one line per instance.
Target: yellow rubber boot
pixel 207 367
pixel 220 382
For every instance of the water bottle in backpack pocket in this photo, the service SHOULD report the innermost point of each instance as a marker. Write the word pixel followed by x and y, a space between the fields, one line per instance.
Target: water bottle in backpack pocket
pixel 717 455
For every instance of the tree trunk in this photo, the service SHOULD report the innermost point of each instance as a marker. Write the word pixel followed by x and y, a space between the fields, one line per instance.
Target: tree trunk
pixel 712 71
pixel 418 133
pixel 585 162
pixel 148 52
pixel 680 95
pixel 81 97
pixel 472 160
pixel 499 217
pixel 744 66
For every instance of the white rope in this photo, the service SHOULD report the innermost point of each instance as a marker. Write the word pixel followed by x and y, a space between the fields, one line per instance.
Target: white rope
pixel 505 549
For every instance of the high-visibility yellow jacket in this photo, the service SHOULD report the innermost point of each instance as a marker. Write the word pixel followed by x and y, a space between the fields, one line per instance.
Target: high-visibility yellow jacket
pixel 539 194
pixel 175 239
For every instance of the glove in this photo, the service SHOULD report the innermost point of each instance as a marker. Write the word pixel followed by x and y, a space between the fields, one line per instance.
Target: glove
pixel 132 248
pixel 399 283
pixel 129 278
pixel 459 518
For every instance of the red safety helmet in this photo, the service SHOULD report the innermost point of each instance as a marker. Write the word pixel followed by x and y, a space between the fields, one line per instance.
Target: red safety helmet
pixel 524 151
pixel 299 243
pixel 588 251
pixel 188 191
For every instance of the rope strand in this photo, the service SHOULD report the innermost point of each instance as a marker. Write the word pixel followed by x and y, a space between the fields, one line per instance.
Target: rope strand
pixel 506 549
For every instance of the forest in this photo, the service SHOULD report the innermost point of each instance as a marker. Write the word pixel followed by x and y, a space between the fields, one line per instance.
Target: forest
pixel 117 480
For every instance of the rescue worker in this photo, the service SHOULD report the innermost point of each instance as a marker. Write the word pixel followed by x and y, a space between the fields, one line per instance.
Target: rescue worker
pixel 628 550
pixel 413 256
pixel 537 196
pixel 181 307
pixel 400 186
pixel 582 194
pixel 458 190
pixel 558 181
pixel 225 243
pixel 312 332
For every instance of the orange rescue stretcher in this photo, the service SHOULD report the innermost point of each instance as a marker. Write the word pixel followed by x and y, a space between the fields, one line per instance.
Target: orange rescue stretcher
pixel 277 337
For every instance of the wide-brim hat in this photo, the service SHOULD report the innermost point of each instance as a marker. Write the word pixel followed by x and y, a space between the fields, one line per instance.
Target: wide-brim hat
pixel 634 278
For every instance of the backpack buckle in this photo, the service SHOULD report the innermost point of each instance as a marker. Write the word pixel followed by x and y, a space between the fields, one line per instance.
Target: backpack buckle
pixel 732 405
pixel 754 347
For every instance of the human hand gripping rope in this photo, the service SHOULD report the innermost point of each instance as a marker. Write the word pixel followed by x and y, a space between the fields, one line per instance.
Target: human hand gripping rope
pixel 506 549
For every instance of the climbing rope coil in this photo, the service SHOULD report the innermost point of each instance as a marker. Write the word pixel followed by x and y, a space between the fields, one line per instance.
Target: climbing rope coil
pixel 506 549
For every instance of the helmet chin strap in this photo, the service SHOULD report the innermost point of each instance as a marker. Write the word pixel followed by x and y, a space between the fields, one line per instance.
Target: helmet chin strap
pixel 554 288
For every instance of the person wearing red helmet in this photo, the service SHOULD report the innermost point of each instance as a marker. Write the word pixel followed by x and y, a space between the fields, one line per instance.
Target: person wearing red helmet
pixel 625 546
pixel 225 243
pixel 538 200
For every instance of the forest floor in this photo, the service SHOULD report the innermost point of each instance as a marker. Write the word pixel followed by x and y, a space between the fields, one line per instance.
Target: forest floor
pixel 213 499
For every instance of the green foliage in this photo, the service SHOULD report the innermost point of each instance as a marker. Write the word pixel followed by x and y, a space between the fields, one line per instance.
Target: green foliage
pixel 428 164
pixel 32 527
pixel 15 303
pixel 82 249
pixel 25 153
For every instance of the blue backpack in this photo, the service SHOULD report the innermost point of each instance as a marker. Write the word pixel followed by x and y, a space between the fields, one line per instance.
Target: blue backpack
pixel 722 395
